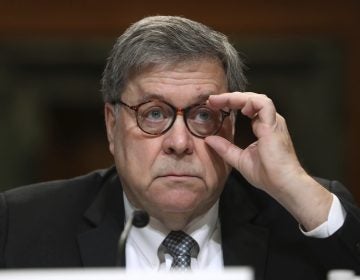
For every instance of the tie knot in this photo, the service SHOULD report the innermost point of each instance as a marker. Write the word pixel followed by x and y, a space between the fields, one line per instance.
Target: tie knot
pixel 181 247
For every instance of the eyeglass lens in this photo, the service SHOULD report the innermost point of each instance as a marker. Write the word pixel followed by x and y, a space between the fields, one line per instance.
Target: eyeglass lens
pixel 156 117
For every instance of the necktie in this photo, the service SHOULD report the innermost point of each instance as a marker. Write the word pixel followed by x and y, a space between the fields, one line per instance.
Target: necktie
pixel 181 247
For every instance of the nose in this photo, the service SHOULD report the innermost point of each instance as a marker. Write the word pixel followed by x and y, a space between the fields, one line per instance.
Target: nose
pixel 178 140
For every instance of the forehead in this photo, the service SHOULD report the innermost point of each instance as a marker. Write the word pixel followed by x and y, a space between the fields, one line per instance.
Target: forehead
pixel 182 80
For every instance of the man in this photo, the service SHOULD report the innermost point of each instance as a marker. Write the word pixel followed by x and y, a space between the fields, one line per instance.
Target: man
pixel 171 88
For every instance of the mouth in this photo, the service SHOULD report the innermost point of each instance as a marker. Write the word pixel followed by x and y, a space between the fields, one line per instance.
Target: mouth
pixel 177 176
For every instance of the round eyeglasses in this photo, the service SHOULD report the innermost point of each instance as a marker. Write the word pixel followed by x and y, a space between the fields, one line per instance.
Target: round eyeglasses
pixel 156 117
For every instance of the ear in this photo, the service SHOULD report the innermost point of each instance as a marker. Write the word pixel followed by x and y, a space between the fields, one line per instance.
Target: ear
pixel 110 122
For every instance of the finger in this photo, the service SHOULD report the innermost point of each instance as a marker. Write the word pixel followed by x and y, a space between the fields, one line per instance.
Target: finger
pixel 261 109
pixel 228 151
pixel 253 105
pixel 232 100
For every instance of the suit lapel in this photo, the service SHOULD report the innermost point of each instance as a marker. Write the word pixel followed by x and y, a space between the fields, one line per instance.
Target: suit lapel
pixel 243 242
pixel 103 223
pixel 247 246
pixel 98 245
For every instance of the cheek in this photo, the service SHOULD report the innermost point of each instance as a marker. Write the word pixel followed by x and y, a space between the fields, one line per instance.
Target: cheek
pixel 133 166
pixel 134 156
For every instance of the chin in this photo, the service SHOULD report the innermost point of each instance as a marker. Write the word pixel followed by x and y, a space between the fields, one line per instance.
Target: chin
pixel 178 203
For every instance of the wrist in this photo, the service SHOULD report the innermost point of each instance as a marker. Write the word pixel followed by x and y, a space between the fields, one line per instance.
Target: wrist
pixel 307 201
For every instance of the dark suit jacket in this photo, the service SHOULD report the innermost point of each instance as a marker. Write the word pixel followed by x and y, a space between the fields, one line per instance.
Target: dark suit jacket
pixel 77 222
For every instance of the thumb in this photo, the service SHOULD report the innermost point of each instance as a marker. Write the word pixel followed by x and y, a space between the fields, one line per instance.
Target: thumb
pixel 227 150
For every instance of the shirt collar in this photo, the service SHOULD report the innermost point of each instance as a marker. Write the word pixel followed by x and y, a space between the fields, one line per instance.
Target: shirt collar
pixel 147 240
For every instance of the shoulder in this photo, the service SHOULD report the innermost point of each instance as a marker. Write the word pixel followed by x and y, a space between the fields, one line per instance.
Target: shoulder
pixel 40 219
pixel 54 198
pixel 69 189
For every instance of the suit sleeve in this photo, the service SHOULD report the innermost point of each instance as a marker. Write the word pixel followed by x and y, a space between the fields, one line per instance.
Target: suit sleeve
pixel 3 228
pixel 349 233
pixel 342 249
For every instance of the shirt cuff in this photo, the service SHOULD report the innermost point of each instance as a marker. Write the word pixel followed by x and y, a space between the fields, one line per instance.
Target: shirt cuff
pixel 336 218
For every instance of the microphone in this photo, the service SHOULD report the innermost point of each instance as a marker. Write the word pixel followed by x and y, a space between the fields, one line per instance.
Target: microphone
pixel 139 219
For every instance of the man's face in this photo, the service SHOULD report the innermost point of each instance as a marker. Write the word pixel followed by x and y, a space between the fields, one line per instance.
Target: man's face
pixel 174 175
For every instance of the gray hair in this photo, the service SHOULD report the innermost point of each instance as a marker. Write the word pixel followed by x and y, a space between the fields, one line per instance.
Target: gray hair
pixel 167 39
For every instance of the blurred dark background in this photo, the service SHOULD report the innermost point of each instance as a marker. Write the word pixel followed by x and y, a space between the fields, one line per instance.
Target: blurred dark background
pixel 304 54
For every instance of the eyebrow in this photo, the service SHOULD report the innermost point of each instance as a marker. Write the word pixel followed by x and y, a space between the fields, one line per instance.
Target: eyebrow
pixel 151 96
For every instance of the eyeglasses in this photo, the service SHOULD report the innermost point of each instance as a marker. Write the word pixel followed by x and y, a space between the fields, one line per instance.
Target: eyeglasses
pixel 156 117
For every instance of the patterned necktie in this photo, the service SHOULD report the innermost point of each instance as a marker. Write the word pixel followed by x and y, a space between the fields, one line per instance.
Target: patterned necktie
pixel 181 247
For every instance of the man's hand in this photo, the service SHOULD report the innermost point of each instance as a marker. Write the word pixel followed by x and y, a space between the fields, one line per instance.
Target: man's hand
pixel 270 163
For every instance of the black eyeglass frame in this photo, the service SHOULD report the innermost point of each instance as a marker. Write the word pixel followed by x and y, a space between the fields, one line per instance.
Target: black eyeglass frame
pixel 183 111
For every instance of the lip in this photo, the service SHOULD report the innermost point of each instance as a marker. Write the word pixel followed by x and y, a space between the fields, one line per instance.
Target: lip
pixel 171 175
pixel 178 175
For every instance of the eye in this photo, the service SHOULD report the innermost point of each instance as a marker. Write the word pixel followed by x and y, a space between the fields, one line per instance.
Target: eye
pixel 154 114
pixel 202 115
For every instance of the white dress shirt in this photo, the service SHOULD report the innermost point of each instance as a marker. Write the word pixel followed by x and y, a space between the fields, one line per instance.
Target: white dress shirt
pixel 143 243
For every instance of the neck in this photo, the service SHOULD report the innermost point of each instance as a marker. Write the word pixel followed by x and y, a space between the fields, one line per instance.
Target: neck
pixel 175 221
